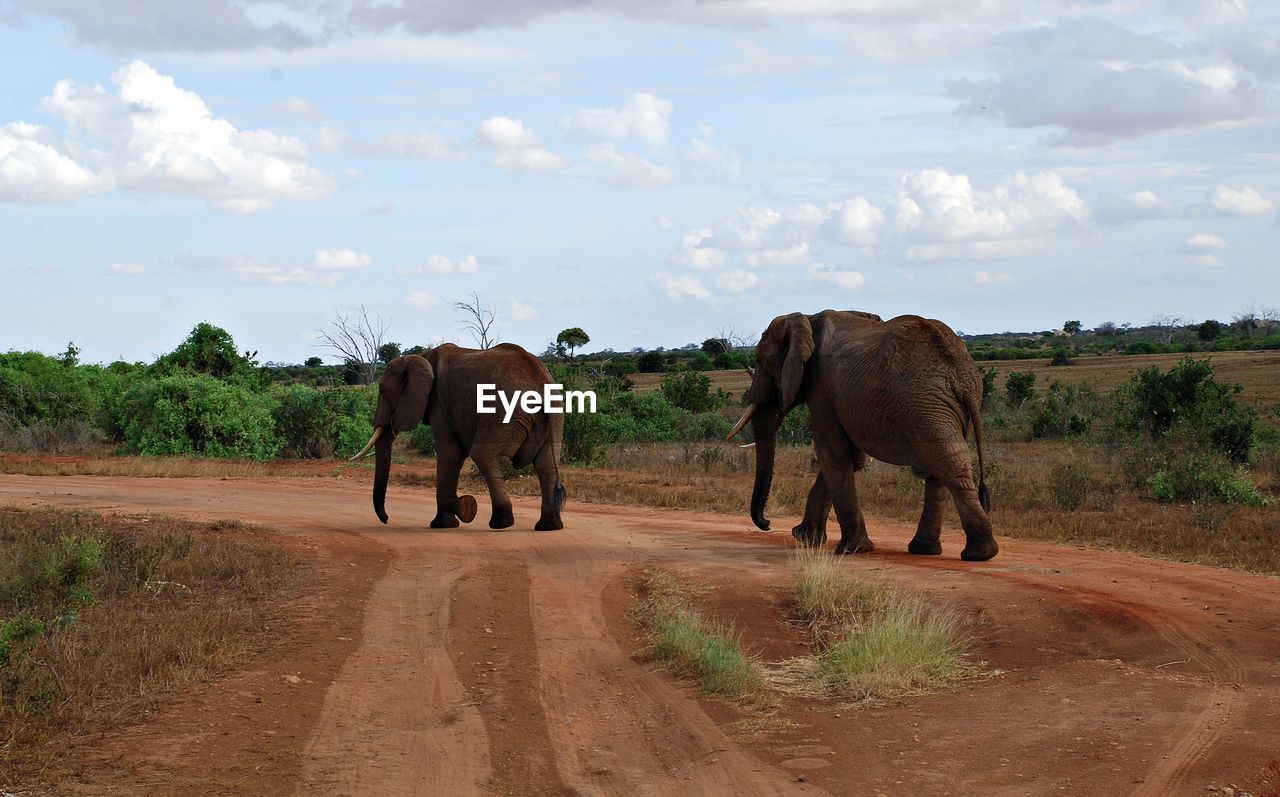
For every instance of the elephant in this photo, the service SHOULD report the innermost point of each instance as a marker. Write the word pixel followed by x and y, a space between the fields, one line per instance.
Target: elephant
pixel 904 391
pixel 438 387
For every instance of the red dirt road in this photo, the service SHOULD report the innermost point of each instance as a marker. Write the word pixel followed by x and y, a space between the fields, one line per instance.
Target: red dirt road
pixel 466 661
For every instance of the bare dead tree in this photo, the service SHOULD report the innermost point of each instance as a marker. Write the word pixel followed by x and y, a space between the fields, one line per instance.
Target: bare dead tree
pixel 479 321
pixel 1246 321
pixel 1166 324
pixel 736 340
pixel 1268 318
pixel 356 340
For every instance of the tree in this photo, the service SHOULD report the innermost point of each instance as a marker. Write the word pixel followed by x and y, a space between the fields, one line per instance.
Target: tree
pixel 1019 388
pixel 208 350
pixel 313 362
pixel 1268 319
pixel 1209 330
pixel 356 341
pixel 1071 327
pixel 1246 321
pixel 71 356
pixel 1106 328
pixel 1166 325
pixel 479 320
pixel 714 346
pixel 388 352
pixel 650 362
pixel 570 340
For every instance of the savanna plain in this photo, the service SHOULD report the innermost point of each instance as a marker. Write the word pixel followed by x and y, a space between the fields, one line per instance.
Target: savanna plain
pixel 177 622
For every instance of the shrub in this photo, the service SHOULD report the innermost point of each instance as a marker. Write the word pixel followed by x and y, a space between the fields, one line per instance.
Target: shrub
pixel 797 428
pixel 1019 388
pixel 209 349
pixel 1154 403
pixel 1198 477
pixel 1061 357
pixel 198 415
pixel 1072 484
pixel 423 439
pixel 988 382
pixel 691 390
pixel 306 426
pixel 651 362
pixel 36 388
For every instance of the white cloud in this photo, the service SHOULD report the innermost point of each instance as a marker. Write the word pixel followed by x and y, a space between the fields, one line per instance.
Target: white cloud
pixel 1095 103
pixel 37 168
pixel 857 222
pixel 126 270
pixel 1203 242
pixel 503 132
pixel 530 160
pixel 845 279
pixel 420 300
pixel 418 145
pixel 301 108
pixel 718 159
pixel 441 265
pixel 989 278
pixel 644 116
pixel 695 254
pixel 1207 261
pixel 1135 206
pixel 340 260
pixel 263 272
pixel 679 287
pixel 1239 203
pixel 522 312
pixel 627 169
pixel 157 137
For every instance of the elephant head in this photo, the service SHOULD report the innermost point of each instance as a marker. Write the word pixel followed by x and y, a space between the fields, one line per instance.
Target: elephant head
pixel 403 394
pixel 776 383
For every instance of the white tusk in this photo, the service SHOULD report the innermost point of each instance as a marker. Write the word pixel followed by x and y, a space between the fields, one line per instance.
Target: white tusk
pixel 742 422
pixel 748 445
pixel 376 434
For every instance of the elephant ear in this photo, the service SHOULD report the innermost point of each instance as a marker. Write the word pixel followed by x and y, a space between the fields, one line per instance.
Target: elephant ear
pixel 799 336
pixel 416 379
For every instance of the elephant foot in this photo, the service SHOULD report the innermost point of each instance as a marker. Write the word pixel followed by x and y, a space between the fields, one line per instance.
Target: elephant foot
pixel 808 536
pixel 924 546
pixel 502 518
pixel 467 508
pixel 980 550
pixel 549 524
pixel 444 520
pixel 855 545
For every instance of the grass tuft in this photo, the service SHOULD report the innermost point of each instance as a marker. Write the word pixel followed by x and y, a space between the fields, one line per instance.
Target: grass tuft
pixel 874 642
pixel 688 644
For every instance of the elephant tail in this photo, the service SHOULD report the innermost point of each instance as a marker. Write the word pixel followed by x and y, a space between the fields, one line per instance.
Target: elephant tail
pixel 975 418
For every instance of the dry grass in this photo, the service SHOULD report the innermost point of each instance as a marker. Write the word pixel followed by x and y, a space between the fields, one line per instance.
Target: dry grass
pixel 103 462
pixel 106 616
pixel 1257 371
pixel 872 642
pixel 689 645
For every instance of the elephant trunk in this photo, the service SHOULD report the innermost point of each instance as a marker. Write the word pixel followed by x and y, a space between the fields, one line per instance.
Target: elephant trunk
pixel 382 471
pixel 764 426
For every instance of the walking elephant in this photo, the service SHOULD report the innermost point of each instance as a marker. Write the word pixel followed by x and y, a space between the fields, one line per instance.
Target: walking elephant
pixel 904 391
pixel 439 388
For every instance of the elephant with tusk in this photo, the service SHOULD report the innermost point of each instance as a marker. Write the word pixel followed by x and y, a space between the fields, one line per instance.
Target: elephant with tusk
pixel 439 388
pixel 904 391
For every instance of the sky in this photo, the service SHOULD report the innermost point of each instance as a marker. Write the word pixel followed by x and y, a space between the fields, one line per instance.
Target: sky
pixel 656 172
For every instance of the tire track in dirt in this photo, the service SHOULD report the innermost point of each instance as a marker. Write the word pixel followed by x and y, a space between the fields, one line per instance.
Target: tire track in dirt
pixel 494 651
pixel 397 715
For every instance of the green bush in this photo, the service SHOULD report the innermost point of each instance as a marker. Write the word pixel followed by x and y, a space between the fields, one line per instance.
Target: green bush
pixel 1155 403
pixel 198 415
pixel 796 428
pixel 423 439
pixel 35 388
pixel 1197 477
pixel 691 390
pixel 1019 388
pixel 209 349
pixel 1062 357
pixel 305 424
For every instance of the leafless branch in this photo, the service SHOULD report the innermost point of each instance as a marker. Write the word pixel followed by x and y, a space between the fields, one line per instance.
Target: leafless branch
pixel 1167 324
pixel 356 341
pixel 479 321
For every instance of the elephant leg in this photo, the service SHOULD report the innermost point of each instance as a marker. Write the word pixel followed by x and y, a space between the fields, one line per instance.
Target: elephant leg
pixel 489 462
pixel 928 539
pixel 548 482
pixel 840 477
pixel 812 531
pixel 980 543
pixel 448 465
